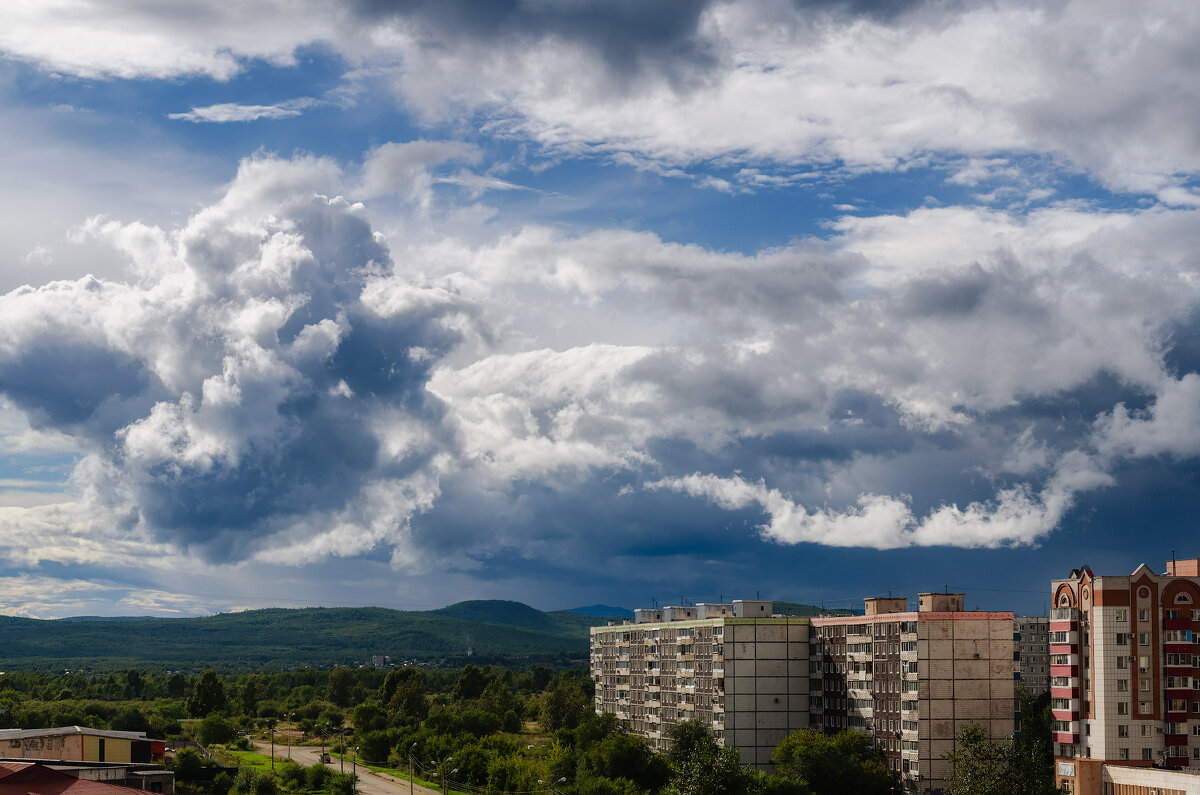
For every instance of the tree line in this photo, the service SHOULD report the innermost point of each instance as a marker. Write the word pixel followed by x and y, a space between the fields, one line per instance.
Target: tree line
pixel 499 730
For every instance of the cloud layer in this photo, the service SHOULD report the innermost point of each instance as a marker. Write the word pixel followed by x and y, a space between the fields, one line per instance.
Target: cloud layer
pixel 779 84
pixel 274 381
pixel 466 325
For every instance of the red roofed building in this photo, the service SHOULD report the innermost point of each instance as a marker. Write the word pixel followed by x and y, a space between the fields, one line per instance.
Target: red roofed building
pixel 31 778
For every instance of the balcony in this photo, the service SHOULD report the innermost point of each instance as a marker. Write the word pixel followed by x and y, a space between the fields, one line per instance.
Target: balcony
pixel 1177 739
pixel 1067 738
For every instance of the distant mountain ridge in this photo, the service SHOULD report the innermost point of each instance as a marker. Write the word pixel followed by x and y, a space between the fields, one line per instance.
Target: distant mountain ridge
pixel 275 638
pixel 482 631
pixel 602 611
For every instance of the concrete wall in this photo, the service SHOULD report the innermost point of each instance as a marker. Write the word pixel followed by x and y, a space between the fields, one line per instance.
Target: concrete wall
pixel 63 746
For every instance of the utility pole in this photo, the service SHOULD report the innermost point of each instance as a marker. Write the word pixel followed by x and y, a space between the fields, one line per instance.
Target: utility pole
pixel 410 768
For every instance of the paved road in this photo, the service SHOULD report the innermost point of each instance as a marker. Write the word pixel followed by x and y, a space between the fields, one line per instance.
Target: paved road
pixel 369 782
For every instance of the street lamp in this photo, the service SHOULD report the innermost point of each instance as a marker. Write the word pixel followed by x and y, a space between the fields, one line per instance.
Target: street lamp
pixel 441 766
pixel 271 728
pixel 290 715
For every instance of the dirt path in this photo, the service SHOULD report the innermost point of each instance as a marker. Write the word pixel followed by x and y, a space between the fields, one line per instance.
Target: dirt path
pixel 369 782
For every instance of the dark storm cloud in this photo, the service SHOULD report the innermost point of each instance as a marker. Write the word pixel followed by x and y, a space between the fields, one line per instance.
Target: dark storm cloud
pixel 628 35
pixel 73 384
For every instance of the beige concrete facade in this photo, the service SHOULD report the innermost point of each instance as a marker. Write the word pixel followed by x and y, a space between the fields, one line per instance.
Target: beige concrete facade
pixel 914 680
pixel 739 670
pixel 79 744
pixel 1124 667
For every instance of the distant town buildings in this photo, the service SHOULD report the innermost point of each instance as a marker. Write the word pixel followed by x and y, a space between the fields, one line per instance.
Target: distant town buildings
pixel 910 680
pixel 1124 688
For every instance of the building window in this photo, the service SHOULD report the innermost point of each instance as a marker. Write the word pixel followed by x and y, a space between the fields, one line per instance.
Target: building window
pixel 1124 753
pixel 1144 685
pixel 1143 638
pixel 1122 685
pixel 1122 730
pixel 1121 661
pixel 1147 754
pixel 1143 615
pixel 1120 638
pixel 1122 707
pixel 1144 707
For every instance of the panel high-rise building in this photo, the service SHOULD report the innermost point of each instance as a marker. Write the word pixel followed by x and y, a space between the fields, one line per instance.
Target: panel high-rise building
pixel 909 680
pixel 736 668
pixel 913 680
pixel 1033 640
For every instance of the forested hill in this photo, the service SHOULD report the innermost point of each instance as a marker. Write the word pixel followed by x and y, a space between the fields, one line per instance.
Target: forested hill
pixel 276 638
pixel 488 631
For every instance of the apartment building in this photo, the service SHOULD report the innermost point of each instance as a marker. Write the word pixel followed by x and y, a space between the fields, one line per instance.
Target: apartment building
pixel 735 667
pixel 1033 641
pixel 1123 667
pixel 913 680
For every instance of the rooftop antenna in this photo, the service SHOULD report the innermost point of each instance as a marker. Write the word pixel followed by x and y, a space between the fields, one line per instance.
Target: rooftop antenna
pixel 1173 569
pixel 758 594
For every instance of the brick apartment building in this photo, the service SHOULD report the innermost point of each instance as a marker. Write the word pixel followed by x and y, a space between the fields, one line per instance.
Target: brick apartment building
pixel 1126 700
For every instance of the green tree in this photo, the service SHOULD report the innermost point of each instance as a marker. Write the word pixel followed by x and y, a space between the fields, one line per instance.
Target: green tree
pixel 133 684
pixel 375 746
pixel 177 685
pixel 130 719
pixel 470 685
pixel 189 765
pixel 701 767
pixel 980 765
pixel 369 717
pixel 215 729
pixel 686 738
pixel 563 705
pixel 627 756
pixel 404 692
pixel 10 705
pixel 844 762
pixel 207 696
pixel 249 696
pixel 340 686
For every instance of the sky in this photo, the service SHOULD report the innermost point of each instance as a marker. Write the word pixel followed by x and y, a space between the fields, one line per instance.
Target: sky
pixel 405 302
